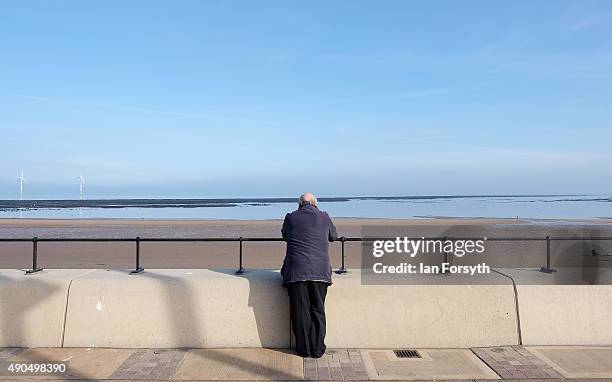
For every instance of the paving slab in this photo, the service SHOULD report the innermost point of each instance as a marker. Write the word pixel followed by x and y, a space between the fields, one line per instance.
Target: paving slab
pixel 515 362
pixel 10 352
pixel 84 363
pixel 150 364
pixel 577 361
pixel 551 380
pixel 434 364
pixel 542 380
pixel 336 365
pixel 240 364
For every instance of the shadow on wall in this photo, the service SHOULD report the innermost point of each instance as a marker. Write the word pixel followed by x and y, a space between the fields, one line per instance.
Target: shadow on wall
pixel 270 304
pixel 270 312
pixel 266 297
pixel 14 311
pixel 18 302
pixel 182 308
pixel 271 318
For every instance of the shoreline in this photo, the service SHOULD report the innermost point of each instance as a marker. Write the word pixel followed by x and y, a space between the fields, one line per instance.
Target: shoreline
pixel 346 220
pixel 541 209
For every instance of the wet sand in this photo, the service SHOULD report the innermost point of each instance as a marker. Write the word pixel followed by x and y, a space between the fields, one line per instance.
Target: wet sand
pixel 225 255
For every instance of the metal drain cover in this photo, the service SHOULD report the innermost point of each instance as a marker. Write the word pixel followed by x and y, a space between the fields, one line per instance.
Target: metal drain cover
pixel 406 353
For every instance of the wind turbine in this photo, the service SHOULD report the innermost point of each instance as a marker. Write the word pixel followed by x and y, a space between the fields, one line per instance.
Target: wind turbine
pixel 21 180
pixel 81 182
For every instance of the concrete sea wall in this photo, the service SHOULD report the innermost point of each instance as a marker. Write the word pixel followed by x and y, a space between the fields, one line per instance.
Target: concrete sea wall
pixel 215 308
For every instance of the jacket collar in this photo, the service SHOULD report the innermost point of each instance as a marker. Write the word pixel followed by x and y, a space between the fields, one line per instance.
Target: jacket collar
pixel 308 206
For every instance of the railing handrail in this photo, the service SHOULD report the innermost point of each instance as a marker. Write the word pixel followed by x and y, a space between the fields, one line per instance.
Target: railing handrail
pixel 241 240
pixel 339 239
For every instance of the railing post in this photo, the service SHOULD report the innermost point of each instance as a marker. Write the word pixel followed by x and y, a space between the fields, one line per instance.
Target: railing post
pixel 138 268
pixel 342 268
pixel 547 269
pixel 240 268
pixel 34 257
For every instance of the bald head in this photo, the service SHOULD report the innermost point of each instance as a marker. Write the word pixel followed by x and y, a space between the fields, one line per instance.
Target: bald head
pixel 307 198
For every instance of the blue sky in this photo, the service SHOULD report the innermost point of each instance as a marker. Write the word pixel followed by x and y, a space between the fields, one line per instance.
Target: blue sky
pixel 205 99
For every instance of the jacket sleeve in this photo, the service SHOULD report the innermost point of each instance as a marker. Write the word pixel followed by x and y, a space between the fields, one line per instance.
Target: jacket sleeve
pixel 285 229
pixel 333 235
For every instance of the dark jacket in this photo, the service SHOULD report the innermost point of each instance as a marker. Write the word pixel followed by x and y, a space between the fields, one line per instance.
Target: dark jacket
pixel 307 232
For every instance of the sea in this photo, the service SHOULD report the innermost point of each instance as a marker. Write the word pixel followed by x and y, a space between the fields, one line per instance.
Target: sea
pixel 392 207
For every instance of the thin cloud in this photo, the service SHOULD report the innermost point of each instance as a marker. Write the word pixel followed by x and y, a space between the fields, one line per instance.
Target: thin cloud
pixel 208 114
pixel 589 23
pixel 429 92
pixel 536 156
pixel 378 59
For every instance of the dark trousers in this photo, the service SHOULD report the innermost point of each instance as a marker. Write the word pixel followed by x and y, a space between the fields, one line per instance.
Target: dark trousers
pixel 307 310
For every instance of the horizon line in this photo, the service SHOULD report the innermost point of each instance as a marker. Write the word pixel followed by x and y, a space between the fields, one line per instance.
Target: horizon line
pixel 292 198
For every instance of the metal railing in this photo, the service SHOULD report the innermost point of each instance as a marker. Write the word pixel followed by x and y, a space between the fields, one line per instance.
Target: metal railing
pixel 342 269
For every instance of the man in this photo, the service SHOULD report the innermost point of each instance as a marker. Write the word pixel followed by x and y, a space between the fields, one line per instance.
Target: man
pixel 306 273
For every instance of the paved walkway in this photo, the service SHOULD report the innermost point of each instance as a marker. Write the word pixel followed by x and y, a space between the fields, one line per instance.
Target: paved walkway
pixel 506 362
